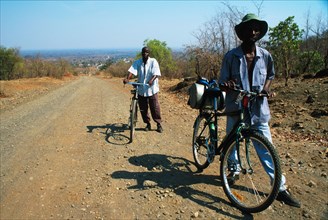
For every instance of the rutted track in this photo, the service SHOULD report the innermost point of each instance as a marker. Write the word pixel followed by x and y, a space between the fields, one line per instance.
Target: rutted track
pixel 65 155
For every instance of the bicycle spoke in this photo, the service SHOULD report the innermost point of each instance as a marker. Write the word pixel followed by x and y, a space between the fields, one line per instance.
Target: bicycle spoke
pixel 254 190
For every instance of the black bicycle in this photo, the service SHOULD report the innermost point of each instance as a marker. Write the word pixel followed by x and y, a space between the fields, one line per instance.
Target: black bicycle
pixel 245 180
pixel 133 118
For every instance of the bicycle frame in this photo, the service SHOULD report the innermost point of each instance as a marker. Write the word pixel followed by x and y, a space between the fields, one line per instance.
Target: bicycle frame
pixel 211 94
pixel 136 88
pixel 134 107
pixel 238 127
pixel 248 181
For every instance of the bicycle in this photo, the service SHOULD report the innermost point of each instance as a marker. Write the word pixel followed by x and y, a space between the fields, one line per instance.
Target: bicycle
pixel 245 181
pixel 134 108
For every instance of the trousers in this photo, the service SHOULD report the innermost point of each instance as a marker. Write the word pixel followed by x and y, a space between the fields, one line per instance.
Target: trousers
pixel 264 129
pixel 151 103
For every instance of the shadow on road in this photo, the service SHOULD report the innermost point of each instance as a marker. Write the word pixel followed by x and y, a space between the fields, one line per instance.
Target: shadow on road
pixel 175 173
pixel 114 133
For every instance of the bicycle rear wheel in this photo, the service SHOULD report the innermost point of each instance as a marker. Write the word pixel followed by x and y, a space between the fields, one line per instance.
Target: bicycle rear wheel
pixel 200 140
pixel 250 189
pixel 133 118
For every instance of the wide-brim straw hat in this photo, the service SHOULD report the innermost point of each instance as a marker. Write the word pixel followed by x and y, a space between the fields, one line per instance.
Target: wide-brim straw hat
pixel 245 21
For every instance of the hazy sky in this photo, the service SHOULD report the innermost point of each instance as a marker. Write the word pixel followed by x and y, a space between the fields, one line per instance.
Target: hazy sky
pixel 126 24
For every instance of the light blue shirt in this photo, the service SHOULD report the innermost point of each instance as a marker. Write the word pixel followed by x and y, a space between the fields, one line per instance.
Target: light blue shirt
pixel 234 66
pixel 144 74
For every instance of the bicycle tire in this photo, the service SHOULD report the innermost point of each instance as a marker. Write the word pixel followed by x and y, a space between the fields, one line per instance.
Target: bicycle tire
pixel 201 136
pixel 133 118
pixel 251 192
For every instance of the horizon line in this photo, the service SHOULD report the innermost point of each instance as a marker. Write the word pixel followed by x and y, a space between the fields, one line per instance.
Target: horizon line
pixel 109 48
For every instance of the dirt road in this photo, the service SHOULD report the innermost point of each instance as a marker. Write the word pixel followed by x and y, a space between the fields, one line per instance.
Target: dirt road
pixel 65 155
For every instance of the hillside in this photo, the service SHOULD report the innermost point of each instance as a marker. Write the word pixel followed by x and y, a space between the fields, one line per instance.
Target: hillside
pixel 65 153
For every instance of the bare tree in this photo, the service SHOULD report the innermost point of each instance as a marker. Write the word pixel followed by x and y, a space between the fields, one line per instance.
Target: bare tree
pixel 315 45
pixel 258 5
pixel 215 38
pixel 320 31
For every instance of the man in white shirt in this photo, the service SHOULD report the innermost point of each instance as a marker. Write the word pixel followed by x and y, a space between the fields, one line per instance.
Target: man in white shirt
pixel 147 70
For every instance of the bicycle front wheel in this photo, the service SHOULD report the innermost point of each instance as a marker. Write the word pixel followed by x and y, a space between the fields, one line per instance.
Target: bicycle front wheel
pixel 200 140
pixel 250 183
pixel 133 118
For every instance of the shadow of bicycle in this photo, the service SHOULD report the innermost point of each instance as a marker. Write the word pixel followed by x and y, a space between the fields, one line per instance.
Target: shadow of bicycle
pixel 114 133
pixel 175 173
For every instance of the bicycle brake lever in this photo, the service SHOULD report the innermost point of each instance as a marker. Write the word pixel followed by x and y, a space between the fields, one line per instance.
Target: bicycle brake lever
pixel 239 98
pixel 237 86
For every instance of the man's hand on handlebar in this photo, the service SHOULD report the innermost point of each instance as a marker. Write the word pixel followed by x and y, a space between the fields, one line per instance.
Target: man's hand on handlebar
pixel 231 84
pixel 127 79
pixel 268 94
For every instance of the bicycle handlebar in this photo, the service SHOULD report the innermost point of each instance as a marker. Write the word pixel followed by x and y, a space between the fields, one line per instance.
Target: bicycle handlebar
pixel 244 92
pixel 137 84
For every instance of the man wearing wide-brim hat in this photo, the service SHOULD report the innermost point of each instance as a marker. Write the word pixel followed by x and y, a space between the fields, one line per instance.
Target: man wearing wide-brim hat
pixel 251 67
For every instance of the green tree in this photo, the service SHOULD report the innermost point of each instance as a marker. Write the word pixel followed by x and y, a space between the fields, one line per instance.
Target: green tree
pixel 314 46
pixel 163 54
pixel 10 62
pixel 284 41
pixel 313 64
